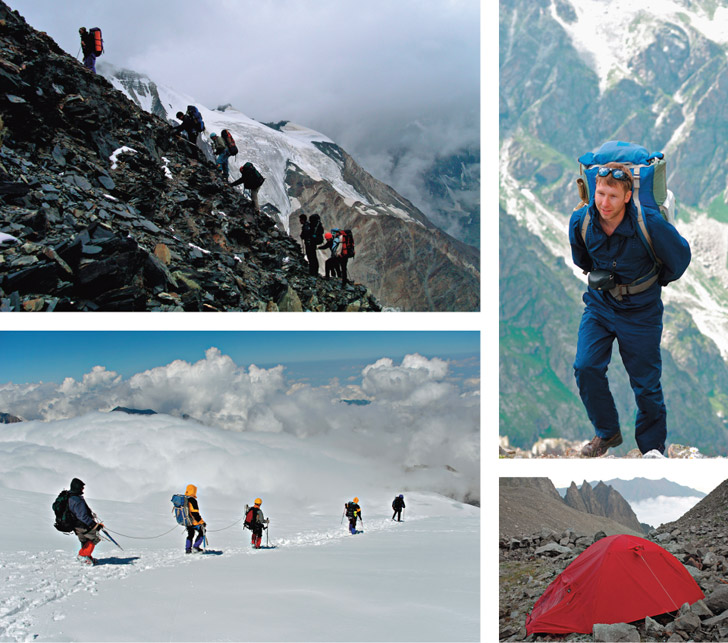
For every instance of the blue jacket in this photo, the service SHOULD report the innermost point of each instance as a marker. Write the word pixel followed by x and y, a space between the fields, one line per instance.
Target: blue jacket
pixel 625 255
pixel 80 510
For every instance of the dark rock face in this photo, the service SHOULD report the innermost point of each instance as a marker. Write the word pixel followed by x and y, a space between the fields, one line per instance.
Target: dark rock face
pixel 124 409
pixel 150 228
pixel 6 418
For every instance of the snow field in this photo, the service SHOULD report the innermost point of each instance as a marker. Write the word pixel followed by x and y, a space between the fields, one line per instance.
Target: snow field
pixel 418 580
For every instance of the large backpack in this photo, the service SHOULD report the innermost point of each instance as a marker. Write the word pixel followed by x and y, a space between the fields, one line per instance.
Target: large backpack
pixel 252 179
pixel 649 194
pixel 649 189
pixel 249 517
pixel 347 244
pixel 229 141
pixel 98 41
pixel 181 510
pixel 317 229
pixel 197 117
pixel 64 517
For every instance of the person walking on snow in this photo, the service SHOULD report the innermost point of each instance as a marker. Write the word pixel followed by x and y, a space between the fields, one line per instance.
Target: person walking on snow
pixel 398 505
pixel 256 522
pixel 84 524
pixel 612 251
pixel 353 512
pixel 195 532
pixel 88 48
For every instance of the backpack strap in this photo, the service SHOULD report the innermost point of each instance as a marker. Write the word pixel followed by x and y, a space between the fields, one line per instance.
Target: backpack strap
pixel 642 231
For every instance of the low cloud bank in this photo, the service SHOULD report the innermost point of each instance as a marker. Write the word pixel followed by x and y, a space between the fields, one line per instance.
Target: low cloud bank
pixel 419 421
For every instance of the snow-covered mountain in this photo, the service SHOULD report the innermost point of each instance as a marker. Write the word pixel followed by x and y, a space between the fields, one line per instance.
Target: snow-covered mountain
pixel 415 580
pixel 401 256
pixel 651 73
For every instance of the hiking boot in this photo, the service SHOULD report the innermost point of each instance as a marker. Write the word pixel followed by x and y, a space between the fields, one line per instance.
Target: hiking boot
pixel 598 446
pixel 197 550
pixel 188 551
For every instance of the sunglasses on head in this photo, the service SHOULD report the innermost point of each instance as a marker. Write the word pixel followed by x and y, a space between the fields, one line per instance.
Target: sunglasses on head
pixel 615 172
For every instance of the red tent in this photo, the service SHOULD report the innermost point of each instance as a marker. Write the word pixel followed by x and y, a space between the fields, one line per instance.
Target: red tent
pixel 619 579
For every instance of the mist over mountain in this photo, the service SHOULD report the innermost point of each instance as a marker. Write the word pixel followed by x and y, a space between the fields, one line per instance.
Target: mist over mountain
pixel 402 256
pixel 572 76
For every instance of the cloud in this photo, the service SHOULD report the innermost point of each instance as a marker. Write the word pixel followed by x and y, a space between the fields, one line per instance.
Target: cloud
pixel 418 418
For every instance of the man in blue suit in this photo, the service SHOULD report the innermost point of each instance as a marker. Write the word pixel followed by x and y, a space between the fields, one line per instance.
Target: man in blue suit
pixel 623 302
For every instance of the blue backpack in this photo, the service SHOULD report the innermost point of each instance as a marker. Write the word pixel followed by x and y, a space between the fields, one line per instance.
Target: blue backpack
pixel 180 510
pixel 195 113
pixel 649 190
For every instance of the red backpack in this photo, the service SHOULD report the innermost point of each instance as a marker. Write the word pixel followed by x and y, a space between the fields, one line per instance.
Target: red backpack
pixel 347 244
pixel 98 41
pixel 229 141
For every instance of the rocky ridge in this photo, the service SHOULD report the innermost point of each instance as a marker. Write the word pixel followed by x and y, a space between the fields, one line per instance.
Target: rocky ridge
pixel 563 448
pixel 103 208
pixel 602 500
pixel 529 504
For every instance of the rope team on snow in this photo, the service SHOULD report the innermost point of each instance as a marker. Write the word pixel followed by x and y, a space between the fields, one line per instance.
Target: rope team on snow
pixel 73 515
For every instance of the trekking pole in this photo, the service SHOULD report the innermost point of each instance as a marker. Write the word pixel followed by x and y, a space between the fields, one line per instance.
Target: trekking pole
pixel 204 535
pixel 342 518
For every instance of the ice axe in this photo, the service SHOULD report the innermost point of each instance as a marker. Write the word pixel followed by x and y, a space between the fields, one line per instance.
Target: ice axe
pixel 108 535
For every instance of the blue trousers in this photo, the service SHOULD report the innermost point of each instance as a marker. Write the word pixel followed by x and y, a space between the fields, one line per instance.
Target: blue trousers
pixel 638 334
pixel 222 163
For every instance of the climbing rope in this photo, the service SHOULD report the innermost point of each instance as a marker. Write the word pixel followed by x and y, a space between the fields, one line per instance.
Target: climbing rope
pixel 228 527
pixel 142 537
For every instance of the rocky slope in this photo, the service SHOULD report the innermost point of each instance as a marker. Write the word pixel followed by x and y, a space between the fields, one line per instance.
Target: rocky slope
pixel 527 565
pixel 404 260
pixel 668 75
pixel 103 208
pixel 528 562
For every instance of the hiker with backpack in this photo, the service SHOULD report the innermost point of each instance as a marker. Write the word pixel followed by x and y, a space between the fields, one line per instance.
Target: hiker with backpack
pixel 251 180
pixel 630 252
pixel 196 528
pixel 83 521
pixel 192 124
pixel 221 153
pixel 316 236
pixel 256 522
pixel 91 46
pixel 345 252
pixel 398 505
pixel 353 513
pixel 331 265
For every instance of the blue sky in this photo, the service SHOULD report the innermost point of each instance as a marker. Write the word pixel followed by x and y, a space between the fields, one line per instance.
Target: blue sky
pixel 33 356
